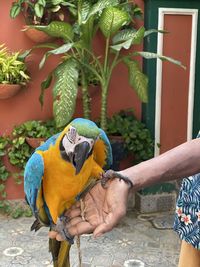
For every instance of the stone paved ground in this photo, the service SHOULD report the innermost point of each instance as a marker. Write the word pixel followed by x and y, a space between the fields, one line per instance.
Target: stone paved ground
pixel 137 237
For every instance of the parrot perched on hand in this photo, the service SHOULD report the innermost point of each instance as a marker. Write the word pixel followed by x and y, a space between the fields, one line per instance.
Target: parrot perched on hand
pixel 59 171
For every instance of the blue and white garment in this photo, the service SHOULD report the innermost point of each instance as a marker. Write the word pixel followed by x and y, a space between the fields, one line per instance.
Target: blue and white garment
pixel 187 217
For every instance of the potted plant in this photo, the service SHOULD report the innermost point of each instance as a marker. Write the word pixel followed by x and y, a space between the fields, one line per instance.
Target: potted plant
pixel 129 136
pixel 38 12
pixel 16 149
pixel 34 133
pixel 13 72
pixel 114 19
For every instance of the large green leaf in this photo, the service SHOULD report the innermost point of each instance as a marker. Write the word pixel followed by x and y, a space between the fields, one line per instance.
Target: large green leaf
pixel 148 32
pixel 123 35
pixel 135 37
pixel 137 79
pixel 39 10
pixel 88 31
pixel 26 53
pixel 112 19
pixel 138 37
pixel 15 10
pixel 57 29
pixel 46 45
pixel 100 6
pixel 45 84
pixel 126 45
pixel 65 91
pixel 84 7
pixel 150 55
pixel 60 50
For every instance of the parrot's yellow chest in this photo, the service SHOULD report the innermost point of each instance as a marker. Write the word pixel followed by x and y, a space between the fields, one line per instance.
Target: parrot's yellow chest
pixel 60 183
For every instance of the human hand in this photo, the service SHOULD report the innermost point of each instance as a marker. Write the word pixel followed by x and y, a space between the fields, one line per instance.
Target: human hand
pixel 99 211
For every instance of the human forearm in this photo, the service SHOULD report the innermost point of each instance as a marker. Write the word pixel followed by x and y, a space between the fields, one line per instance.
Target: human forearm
pixel 179 162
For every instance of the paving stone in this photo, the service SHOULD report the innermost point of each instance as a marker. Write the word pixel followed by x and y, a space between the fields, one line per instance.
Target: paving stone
pixel 134 238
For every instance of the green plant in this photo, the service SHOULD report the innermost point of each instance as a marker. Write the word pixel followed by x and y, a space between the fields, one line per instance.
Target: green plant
pixel 4 173
pixel 12 67
pixel 137 138
pixel 19 150
pixel 35 129
pixel 79 66
pixel 14 210
pixel 39 11
pixel 115 20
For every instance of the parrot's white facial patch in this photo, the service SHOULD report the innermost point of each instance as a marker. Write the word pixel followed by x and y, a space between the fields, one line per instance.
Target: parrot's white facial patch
pixel 72 139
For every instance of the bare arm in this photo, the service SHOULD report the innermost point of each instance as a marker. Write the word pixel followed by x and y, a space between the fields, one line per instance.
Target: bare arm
pixel 104 208
pixel 179 162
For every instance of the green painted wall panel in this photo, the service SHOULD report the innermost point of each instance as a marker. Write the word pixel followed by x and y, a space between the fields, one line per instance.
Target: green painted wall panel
pixel 151 22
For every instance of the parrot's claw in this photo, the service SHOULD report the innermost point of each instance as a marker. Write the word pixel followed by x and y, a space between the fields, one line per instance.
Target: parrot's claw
pixel 60 227
pixel 110 174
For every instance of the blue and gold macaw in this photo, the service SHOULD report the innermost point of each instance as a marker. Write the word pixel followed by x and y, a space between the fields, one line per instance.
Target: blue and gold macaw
pixel 58 171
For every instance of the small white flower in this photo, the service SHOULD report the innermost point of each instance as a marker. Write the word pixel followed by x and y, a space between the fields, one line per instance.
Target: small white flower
pixel 186 219
pixel 179 211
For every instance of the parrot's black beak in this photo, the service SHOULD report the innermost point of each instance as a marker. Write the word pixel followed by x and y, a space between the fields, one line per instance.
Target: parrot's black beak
pixel 81 153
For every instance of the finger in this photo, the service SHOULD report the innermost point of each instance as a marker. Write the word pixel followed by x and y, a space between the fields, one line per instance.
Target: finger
pixel 81 228
pixel 73 213
pixel 52 234
pixel 74 221
pixel 59 237
pixel 110 222
pixel 101 229
pixel 74 206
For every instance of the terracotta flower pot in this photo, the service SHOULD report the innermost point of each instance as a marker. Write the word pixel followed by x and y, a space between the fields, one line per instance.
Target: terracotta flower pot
pixel 118 150
pixel 36 35
pixel 9 90
pixel 35 142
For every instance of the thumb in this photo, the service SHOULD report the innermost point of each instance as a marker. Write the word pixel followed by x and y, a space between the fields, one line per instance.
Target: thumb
pixel 101 229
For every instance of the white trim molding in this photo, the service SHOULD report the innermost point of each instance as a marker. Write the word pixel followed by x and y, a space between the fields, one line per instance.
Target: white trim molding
pixel 161 13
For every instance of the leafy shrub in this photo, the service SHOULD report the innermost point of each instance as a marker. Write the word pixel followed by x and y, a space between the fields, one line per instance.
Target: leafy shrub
pixel 137 138
pixel 12 67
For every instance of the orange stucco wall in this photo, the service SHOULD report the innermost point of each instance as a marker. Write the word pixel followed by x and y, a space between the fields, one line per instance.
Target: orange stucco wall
pixel 25 105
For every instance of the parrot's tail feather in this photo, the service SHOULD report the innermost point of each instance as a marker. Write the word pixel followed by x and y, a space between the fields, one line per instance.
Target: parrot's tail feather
pixel 60 253
pixel 36 225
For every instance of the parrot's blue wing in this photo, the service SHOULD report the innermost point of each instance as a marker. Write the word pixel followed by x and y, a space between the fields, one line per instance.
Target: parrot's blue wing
pixel 48 142
pixel 33 174
pixel 104 138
